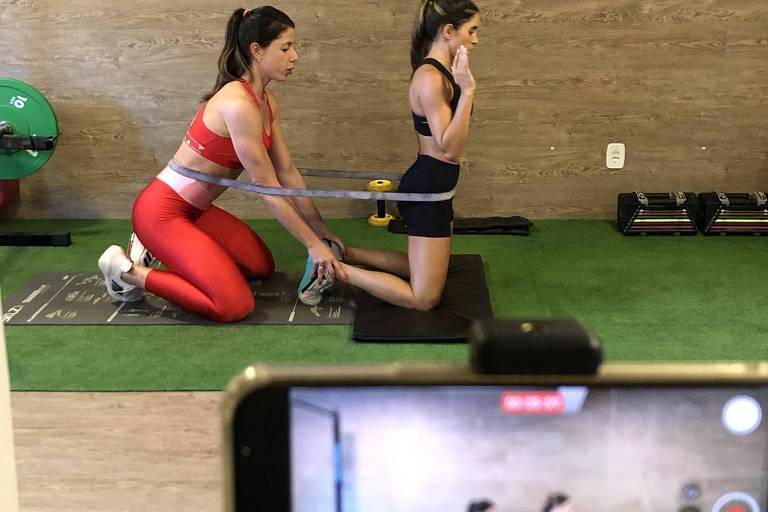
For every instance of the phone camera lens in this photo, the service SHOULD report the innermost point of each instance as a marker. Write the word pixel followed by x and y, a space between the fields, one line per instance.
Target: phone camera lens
pixel 691 492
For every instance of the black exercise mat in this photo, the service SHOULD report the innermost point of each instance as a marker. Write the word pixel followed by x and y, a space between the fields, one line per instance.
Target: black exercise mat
pixel 55 298
pixel 465 298
pixel 514 225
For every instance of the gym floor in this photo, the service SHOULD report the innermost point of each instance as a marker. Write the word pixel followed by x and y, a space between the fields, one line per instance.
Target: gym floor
pixel 647 299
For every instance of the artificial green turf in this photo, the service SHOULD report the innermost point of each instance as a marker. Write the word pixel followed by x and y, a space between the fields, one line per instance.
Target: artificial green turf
pixel 647 298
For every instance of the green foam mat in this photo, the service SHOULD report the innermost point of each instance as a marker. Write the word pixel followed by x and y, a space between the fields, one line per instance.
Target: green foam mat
pixel 647 298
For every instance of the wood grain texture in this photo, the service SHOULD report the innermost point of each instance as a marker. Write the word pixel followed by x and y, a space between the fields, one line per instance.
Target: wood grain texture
pixel 118 452
pixel 557 81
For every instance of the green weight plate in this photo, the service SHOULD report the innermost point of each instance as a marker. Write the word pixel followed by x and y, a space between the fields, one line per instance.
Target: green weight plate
pixel 29 113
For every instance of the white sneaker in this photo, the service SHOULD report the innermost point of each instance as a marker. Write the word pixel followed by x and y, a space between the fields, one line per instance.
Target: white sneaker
pixel 112 263
pixel 139 254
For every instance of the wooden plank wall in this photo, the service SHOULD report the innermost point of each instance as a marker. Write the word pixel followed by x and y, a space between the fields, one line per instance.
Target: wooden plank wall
pixel 683 83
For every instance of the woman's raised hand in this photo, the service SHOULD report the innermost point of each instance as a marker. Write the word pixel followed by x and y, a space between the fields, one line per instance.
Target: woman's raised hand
pixel 460 69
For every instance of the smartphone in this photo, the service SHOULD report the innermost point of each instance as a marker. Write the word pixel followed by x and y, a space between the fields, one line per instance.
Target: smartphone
pixel 634 437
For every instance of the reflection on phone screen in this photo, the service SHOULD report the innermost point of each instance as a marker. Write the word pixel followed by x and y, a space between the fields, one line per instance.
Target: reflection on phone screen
pixel 517 448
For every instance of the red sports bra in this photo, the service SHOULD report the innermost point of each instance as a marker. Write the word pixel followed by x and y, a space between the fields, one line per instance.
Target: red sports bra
pixel 214 147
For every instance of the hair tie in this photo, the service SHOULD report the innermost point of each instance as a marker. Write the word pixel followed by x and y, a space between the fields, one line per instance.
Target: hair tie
pixel 245 13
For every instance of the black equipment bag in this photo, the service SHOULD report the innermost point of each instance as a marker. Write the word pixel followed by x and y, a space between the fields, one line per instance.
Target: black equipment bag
pixel 734 213
pixel 657 213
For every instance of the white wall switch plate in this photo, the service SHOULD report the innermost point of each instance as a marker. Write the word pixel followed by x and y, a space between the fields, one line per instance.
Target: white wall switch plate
pixel 614 155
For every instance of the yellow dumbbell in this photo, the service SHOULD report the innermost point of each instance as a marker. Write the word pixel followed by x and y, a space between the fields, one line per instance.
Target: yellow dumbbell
pixel 381 218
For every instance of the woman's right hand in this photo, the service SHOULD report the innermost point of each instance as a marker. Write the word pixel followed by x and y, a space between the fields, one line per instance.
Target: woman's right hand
pixel 461 72
pixel 324 262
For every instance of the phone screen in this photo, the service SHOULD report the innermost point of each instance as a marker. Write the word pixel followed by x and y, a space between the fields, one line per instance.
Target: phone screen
pixel 528 449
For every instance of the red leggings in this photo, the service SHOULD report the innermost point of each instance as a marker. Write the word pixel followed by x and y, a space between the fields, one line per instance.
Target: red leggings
pixel 209 254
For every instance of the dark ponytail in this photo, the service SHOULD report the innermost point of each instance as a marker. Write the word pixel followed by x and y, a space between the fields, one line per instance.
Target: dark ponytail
pixel 261 25
pixel 433 15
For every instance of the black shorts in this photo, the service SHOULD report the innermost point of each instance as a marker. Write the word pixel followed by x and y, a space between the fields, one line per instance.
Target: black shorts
pixel 428 175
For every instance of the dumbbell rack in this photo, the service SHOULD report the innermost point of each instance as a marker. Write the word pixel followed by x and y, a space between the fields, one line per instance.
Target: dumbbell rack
pixel 657 213
pixel 734 213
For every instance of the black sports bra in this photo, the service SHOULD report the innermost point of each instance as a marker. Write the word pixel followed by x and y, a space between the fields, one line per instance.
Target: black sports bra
pixel 420 123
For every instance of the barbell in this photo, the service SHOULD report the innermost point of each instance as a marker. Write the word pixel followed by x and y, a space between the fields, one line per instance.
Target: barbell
pixel 28 133
pixel 28 129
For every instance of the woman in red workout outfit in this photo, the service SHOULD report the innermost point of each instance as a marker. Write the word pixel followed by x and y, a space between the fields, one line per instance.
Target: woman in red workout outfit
pixel 208 252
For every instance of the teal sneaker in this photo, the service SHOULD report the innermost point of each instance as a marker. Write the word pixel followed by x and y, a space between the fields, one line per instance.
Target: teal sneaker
pixel 335 249
pixel 311 289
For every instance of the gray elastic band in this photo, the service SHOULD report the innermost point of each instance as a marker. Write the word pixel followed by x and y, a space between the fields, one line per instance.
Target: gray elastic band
pixel 328 173
pixel 304 192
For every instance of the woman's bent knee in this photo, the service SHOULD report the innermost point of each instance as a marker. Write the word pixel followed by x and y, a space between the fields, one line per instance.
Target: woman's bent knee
pixel 234 308
pixel 259 270
pixel 426 303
